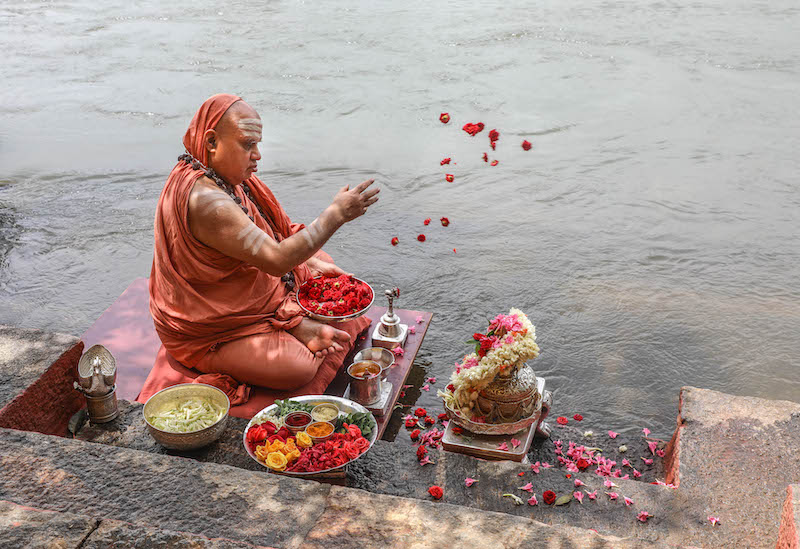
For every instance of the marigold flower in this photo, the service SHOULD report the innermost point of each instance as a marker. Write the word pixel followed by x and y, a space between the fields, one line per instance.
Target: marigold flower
pixel 449 177
pixel 526 145
pixel 549 497
pixel 444 118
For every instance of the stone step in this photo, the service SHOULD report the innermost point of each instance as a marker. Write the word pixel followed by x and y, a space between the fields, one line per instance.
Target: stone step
pixel 172 494
pixel 32 528
pixel 737 455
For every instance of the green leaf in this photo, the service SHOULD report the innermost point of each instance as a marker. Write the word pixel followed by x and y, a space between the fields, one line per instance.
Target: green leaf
pixel 563 500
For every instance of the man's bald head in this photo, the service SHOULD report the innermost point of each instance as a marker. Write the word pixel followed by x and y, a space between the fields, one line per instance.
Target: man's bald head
pixel 240 117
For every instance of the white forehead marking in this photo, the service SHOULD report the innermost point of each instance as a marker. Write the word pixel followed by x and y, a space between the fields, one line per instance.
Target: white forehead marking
pixel 250 127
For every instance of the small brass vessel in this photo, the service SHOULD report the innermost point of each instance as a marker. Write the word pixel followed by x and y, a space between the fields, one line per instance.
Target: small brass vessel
pixel 510 397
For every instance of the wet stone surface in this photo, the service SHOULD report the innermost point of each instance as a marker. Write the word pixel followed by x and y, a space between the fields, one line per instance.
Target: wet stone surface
pixel 32 528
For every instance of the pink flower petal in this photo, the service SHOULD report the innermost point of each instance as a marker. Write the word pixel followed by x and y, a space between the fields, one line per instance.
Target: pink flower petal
pixel 469 481
pixel 515 442
pixel 425 460
pixel 612 495
pixel 660 453
pixel 713 520
pixel 626 463
pixel 609 484
pixel 579 482
pixel 535 468
pixel 648 461
pixel 431 379
pixel 592 495
pixel 532 500
pixel 612 434
pixel 643 516
pixel 546 465
pixel 628 501
pixel 636 474
pixel 398 351
pixel 578 495
pixel 420 319
pixel 528 487
pixel 425 387
pixel 503 446
pixel 653 444
pixel 412 329
pixel 646 431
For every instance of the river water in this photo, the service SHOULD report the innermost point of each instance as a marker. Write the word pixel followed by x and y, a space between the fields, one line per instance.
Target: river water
pixel 651 234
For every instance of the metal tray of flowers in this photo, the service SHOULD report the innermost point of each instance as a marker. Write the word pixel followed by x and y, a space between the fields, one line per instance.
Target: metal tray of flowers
pixel 303 289
pixel 345 406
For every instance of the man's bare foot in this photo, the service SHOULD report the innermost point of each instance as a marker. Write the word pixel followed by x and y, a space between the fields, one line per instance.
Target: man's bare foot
pixel 321 339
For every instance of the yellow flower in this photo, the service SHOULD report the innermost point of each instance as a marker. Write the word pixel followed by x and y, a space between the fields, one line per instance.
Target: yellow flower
pixel 277 461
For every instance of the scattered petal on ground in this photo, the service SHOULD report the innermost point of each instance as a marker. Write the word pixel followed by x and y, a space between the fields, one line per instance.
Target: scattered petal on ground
pixel 612 495
pixel 561 420
pixel 431 379
pixel 515 442
pixel 646 431
pixel 485 157
pixel 592 495
pixel 532 500
pixel 528 487
pixel 578 495
pixel 503 446
pixel 577 417
pixel 612 434
pixel 653 444
pixel 628 501
pixel 421 237
pixel 660 453
pixel 713 520
pixel 444 161
pixel 426 387
pixel 427 221
pixel 398 351
pixel 588 434
pixel 412 329
pixel 470 481
pixel 643 516
pixel 395 241
pixel 494 162
pixel 648 461
pixel 444 118
pixel 445 222
pixel 609 484
pixel 578 482
pixel 420 319
pixel 449 177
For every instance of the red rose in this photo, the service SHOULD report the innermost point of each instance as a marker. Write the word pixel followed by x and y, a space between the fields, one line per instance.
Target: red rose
pixel 436 492
pixel 421 237
pixel 411 422
pixel 561 420
pixel 444 118
pixel 457 430
pixel 549 497
pixel 427 221
pixel 495 162
pixel 420 412
pixel 449 177
pixel 494 135
pixel 444 161
pixel 395 241
pixel 577 417
pixel 429 420
pixel 445 221
pixel 451 387
pixel 582 463
pixel 442 417
pixel 473 129
pixel 421 451
pixel 526 145
pixel 485 157
pixel 415 434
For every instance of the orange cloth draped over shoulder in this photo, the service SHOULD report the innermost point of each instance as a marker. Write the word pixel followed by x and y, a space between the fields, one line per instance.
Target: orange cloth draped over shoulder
pixel 200 297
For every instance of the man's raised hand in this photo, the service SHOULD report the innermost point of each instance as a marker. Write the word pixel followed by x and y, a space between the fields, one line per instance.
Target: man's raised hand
pixel 353 203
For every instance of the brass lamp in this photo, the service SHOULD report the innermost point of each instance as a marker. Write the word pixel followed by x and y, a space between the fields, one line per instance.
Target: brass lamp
pixel 97 376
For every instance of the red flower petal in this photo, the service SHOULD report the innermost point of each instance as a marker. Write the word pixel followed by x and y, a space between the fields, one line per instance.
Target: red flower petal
pixel 485 157
pixel 494 135
pixel 454 251
pixel 445 221
pixel 436 492
pixel 411 422
pixel 495 162
pixel 421 237
pixel 526 145
pixel 493 144
pixel 473 129
pixel 429 420
pixel 395 241
pixel 577 417
pixel 457 430
pixel 444 118
pixel 561 420
pixel 415 434
pixel 442 417
pixel 449 177
pixel 444 161
pixel 427 221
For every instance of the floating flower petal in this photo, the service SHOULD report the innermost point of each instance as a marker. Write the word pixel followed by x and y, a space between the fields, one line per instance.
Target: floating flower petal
pixel 444 118
pixel 444 161
pixel 526 145
pixel 445 222
pixel 449 177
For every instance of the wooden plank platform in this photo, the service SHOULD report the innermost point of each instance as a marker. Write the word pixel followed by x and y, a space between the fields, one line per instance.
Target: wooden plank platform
pixel 126 329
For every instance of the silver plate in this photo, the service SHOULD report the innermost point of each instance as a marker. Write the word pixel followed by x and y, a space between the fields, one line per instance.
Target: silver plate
pixel 346 406
pixel 323 318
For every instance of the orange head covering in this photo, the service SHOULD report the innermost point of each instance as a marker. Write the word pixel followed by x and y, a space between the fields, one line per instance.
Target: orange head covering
pixel 200 297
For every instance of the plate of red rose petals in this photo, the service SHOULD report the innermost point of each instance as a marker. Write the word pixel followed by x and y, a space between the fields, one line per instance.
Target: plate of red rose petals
pixel 335 299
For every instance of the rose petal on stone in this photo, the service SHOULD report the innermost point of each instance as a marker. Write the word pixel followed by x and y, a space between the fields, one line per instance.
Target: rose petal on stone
pixel 646 431
pixel 578 495
pixel 528 487
pixel 713 520
pixel 494 162
pixel 515 442
pixel 449 177
pixel 612 434
pixel 421 237
pixel 444 161
pixel 532 500
pixel 470 481
pixel 628 501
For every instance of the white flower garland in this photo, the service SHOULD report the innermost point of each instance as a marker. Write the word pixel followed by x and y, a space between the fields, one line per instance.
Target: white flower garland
pixel 474 374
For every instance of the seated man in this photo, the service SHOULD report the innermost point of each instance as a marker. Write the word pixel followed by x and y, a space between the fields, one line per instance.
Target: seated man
pixel 227 259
